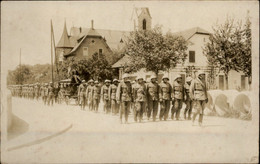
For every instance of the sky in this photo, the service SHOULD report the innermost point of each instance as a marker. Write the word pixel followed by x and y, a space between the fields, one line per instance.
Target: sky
pixel 26 24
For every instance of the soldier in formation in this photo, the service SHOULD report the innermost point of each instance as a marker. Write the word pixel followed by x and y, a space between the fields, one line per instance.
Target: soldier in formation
pixel 96 96
pixel 140 97
pixel 121 97
pixel 105 96
pixel 165 98
pixel 112 96
pixel 152 98
pixel 124 97
pixel 177 97
pixel 198 94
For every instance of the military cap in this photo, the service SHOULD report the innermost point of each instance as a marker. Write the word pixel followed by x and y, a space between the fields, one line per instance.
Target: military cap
pixel 96 82
pixel 178 76
pixel 153 77
pixel 165 77
pixel 115 80
pixel 125 76
pixel 200 72
pixel 139 77
pixel 107 81
pixel 83 81
pixel 188 79
pixel 91 81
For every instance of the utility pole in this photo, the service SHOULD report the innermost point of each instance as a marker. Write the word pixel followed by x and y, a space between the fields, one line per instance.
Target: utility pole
pixel 51 56
pixel 20 81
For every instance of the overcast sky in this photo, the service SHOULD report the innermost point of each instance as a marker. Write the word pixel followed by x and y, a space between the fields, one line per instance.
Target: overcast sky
pixel 26 25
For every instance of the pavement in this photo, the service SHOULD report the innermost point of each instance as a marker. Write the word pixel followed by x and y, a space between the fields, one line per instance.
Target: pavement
pixel 66 134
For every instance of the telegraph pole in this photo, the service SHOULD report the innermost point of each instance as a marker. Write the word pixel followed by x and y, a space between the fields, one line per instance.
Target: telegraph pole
pixel 51 56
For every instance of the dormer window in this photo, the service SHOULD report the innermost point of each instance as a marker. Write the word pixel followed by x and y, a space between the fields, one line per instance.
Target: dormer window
pixel 144 24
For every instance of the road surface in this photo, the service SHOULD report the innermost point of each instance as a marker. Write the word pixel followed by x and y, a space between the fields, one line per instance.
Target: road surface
pixel 66 134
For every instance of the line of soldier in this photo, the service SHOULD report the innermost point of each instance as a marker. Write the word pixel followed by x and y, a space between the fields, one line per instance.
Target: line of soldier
pixel 142 98
pixel 46 91
pixel 145 98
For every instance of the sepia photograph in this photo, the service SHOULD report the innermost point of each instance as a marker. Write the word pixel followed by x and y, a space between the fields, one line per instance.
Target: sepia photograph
pixel 129 82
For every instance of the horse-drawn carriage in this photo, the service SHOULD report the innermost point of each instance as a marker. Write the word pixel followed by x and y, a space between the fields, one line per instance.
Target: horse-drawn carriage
pixel 69 91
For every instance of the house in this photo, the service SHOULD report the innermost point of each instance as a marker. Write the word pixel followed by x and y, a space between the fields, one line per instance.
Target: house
pixel 197 38
pixel 85 42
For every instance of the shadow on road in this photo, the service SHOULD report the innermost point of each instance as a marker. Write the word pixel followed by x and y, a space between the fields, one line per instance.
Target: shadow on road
pixel 40 140
pixel 18 128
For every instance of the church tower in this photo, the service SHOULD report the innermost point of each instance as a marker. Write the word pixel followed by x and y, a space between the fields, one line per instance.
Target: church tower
pixel 141 18
pixel 63 46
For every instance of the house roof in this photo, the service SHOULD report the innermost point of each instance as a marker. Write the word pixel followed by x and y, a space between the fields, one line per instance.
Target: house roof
pixel 64 40
pixel 187 34
pixel 114 38
pixel 121 62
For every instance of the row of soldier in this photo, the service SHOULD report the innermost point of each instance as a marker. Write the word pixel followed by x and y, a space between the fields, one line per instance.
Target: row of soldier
pixel 119 97
pixel 146 97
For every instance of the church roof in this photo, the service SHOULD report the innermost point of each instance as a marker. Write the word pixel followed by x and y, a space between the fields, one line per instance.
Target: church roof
pixel 64 40
pixel 187 34
pixel 138 11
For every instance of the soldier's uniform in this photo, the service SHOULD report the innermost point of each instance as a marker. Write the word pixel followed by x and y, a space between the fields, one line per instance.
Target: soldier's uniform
pixel 61 94
pixel 198 93
pixel 177 96
pixel 124 97
pixel 82 94
pixel 89 94
pixel 45 97
pixel 112 96
pixel 50 94
pixel 105 96
pixel 188 101
pixel 96 96
pixel 140 97
pixel 152 98
pixel 165 90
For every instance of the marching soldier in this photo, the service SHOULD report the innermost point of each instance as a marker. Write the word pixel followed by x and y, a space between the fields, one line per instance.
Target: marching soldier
pixel 112 96
pixel 89 94
pixel 56 90
pixel 105 96
pixel 124 97
pixel 198 94
pixel 152 97
pixel 82 95
pixel 61 93
pixel 50 94
pixel 96 96
pixel 165 97
pixel 177 97
pixel 188 101
pixel 139 96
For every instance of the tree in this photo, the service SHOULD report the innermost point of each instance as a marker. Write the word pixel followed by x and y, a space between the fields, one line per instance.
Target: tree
pixel 229 49
pixel 152 50
pixel 220 50
pixel 99 67
pixel 246 56
pixel 19 76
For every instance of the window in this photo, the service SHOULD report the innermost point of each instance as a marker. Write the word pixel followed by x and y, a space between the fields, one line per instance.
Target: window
pixel 192 56
pixel 144 24
pixel 100 51
pixel 85 51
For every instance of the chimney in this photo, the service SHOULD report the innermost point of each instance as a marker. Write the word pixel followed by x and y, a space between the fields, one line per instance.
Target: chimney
pixel 92 24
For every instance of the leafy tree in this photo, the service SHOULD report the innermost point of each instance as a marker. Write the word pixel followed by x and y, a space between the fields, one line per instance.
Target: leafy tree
pixel 154 51
pixel 19 76
pixel 227 47
pixel 99 67
pixel 246 56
